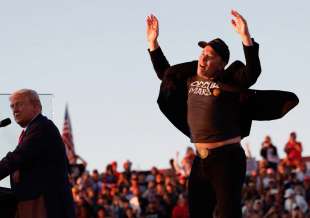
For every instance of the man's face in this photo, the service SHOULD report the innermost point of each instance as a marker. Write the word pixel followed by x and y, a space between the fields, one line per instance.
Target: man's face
pixel 209 62
pixel 267 140
pixel 293 136
pixel 23 109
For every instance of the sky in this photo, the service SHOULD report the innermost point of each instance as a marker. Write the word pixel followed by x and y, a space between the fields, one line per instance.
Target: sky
pixel 92 55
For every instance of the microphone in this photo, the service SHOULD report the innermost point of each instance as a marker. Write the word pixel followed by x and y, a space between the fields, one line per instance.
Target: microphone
pixel 5 122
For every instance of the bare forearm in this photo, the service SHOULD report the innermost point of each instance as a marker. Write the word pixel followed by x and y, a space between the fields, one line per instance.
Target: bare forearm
pixel 247 40
pixel 153 45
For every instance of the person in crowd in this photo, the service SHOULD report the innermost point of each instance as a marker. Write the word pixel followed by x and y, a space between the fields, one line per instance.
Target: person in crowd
pixel 186 163
pixel 269 153
pixel 180 210
pixel 127 169
pixel 293 150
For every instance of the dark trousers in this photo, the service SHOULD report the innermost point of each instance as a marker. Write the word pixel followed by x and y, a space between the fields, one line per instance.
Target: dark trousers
pixel 216 182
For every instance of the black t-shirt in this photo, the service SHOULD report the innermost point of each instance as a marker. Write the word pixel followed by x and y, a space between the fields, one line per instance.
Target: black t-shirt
pixel 213 113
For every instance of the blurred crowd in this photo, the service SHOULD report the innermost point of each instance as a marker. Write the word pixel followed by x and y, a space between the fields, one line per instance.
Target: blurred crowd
pixel 274 187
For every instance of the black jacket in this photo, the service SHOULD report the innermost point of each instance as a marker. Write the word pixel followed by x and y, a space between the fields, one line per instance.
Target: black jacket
pixel 264 151
pixel 43 168
pixel 238 77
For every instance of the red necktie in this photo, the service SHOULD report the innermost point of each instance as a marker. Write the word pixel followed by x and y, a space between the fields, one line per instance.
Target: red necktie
pixel 16 175
pixel 20 139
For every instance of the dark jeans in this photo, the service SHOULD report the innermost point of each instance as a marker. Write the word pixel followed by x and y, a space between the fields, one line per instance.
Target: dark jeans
pixel 216 182
pixel 272 165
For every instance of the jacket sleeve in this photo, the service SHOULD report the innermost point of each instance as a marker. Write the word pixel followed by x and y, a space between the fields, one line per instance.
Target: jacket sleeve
pixel 25 153
pixel 246 75
pixel 263 153
pixel 159 61
pixel 271 104
pixel 264 105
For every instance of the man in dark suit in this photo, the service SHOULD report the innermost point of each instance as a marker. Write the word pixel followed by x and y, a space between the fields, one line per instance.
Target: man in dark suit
pixel 38 166
pixel 213 106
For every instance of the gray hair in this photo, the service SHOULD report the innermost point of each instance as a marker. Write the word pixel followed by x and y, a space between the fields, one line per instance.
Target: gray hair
pixel 32 96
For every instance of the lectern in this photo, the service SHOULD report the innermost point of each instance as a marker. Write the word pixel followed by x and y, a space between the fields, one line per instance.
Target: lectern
pixel 7 203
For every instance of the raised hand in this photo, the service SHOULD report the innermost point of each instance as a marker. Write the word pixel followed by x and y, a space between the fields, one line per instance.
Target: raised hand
pixel 241 27
pixel 152 31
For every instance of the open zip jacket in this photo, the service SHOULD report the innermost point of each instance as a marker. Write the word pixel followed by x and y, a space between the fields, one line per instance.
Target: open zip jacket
pixel 238 77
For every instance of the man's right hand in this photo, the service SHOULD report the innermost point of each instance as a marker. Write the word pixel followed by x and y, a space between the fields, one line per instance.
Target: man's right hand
pixel 152 32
